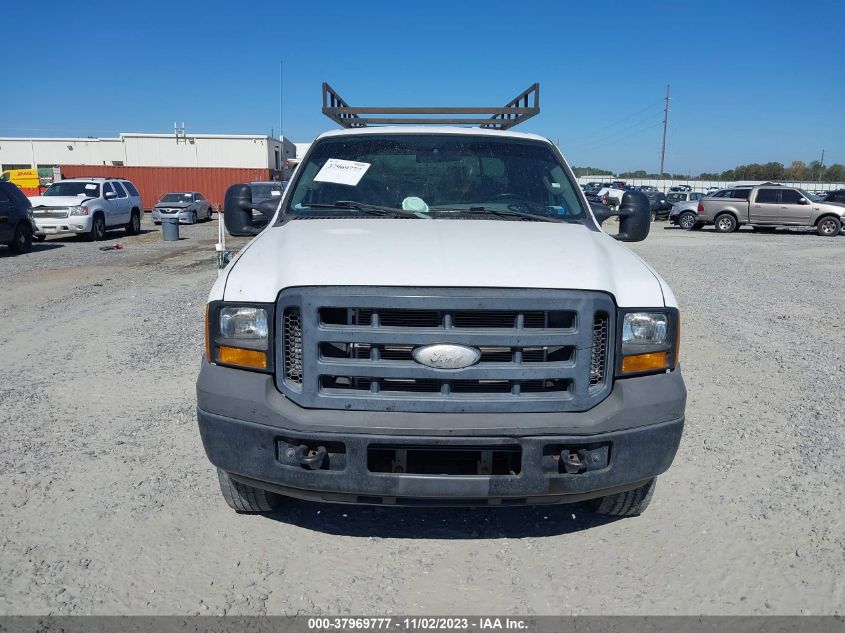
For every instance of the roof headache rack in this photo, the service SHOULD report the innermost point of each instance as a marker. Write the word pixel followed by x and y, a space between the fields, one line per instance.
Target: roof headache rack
pixel 523 107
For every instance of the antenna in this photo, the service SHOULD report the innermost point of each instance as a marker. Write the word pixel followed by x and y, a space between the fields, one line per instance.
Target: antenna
pixel 179 132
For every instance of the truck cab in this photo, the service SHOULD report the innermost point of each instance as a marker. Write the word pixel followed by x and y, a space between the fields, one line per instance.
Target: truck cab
pixel 435 316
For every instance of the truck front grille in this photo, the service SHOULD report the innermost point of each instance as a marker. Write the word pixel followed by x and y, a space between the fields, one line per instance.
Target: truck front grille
pixel 352 348
pixel 50 212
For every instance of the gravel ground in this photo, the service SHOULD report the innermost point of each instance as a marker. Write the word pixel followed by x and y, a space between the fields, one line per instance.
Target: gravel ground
pixel 112 507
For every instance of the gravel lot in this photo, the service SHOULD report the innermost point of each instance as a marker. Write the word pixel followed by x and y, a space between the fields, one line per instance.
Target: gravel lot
pixel 112 507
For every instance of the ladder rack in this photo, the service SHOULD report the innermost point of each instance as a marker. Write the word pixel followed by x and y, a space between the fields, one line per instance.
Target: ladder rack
pixel 523 107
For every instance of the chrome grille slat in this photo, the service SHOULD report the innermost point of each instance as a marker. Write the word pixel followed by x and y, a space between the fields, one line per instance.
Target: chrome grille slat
pixel 536 349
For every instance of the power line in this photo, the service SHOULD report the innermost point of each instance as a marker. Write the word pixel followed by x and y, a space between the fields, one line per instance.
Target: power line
pixel 613 136
pixel 623 120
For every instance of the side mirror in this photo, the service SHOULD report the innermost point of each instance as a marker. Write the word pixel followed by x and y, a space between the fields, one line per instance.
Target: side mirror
pixel 110 195
pixel 803 201
pixel 237 211
pixel 634 216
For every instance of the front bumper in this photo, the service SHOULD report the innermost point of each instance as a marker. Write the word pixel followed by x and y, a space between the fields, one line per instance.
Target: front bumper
pixel 184 217
pixel 250 430
pixel 57 226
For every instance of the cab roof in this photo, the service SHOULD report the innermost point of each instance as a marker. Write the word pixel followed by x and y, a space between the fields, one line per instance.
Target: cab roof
pixel 432 130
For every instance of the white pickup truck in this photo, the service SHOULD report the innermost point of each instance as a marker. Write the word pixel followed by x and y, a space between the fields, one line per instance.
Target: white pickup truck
pixel 435 316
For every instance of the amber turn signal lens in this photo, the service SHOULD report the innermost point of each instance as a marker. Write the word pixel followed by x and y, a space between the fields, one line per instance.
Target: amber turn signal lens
pixel 254 359
pixel 645 362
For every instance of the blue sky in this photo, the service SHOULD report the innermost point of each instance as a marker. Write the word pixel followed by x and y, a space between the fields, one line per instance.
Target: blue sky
pixel 751 82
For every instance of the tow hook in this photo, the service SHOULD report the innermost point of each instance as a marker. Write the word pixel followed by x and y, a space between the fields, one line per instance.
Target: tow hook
pixel 309 457
pixel 574 463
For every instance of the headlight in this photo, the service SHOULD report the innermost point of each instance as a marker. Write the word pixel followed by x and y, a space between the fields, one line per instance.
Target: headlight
pixel 648 342
pixel 240 335
pixel 644 328
pixel 248 324
pixel 79 210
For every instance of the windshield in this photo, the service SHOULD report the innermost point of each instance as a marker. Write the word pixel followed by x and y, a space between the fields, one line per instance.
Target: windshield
pixel 81 189
pixel 437 176
pixel 676 197
pixel 176 197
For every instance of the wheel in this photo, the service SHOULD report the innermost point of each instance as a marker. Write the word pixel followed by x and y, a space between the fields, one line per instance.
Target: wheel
pixel 687 220
pixel 40 237
pixel 194 217
pixel 98 229
pixel 625 504
pixel 828 226
pixel 156 223
pixel 725 223
pixel 22 240
pixel 243 498
pixel 134 226
pixel 653 216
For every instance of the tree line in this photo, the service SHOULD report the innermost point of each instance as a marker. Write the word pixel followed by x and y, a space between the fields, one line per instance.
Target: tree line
pixel 797 171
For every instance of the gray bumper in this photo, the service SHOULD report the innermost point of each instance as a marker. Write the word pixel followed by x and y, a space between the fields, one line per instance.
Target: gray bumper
pixel 247 427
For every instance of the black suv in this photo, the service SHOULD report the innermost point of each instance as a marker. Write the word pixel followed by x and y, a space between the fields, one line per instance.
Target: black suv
pixel 16 223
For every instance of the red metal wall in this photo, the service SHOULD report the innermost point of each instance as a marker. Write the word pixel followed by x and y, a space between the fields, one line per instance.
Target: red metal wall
pixel 154 182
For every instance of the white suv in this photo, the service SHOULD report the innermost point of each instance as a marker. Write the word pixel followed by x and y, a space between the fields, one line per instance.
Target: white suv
pixel 88 207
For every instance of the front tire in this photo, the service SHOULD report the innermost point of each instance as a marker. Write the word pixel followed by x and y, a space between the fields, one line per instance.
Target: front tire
pixel 687 220
pixel 828 226
pixel 243 498
pixel 22 241
pixel 40 237
pixel 625 504
pixel 98 229
pixel 725 223
pixel 193 217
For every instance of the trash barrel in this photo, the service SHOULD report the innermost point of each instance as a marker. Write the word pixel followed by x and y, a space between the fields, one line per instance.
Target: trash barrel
pixel 170 229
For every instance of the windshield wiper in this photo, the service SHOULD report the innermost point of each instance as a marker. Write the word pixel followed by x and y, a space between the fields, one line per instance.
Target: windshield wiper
pixel 372 209
pixel 506 213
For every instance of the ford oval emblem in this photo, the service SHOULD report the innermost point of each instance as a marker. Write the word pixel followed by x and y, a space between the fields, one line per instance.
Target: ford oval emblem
pixel 445 356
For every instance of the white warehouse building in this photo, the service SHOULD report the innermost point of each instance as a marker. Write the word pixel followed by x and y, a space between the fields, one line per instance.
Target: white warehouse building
pixel 149 150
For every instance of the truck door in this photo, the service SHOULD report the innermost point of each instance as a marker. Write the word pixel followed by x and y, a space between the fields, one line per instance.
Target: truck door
pixel 764 208
pixel 111 204
pixel 125 206
pixel 794 208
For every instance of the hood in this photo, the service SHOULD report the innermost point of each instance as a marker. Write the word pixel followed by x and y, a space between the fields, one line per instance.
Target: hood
pixel 835 207
pixel 173 205
pixel 439 253
pixel 57 201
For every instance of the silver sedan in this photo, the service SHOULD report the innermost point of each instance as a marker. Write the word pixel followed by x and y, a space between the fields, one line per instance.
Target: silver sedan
pixel 189 207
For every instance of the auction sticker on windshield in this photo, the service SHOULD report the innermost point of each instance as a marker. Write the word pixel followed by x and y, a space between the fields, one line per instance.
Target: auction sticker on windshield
pixel 342 172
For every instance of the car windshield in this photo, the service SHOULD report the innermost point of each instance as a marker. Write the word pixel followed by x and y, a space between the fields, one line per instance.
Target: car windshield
pixel 436 176
pixel 81 189
pixel 176 197
pixel 265 192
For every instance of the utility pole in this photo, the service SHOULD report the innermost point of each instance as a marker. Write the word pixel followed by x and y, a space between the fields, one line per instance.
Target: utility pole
pixel 665 124
pixel 281 74
pixel 821 166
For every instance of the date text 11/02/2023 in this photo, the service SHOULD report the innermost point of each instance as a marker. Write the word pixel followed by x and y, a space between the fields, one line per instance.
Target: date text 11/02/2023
pixel 417 623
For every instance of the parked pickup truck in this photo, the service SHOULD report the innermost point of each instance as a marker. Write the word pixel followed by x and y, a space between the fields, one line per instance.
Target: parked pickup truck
pixel 435 316
pixel 765 207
